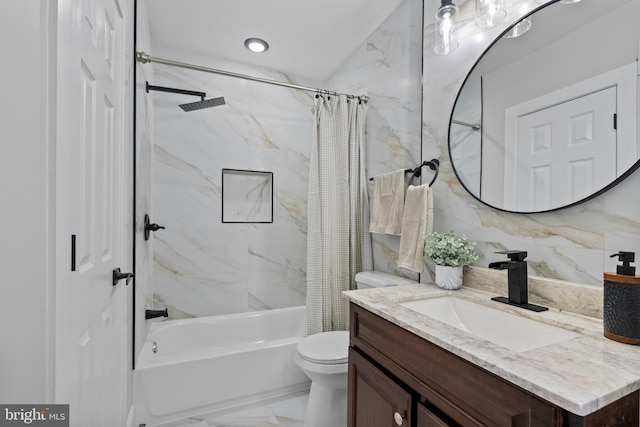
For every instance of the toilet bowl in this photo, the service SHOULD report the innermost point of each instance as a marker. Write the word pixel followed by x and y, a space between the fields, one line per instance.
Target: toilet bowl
pixel 323 358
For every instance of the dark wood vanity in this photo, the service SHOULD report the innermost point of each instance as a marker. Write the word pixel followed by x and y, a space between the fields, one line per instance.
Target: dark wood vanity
pixel 397 378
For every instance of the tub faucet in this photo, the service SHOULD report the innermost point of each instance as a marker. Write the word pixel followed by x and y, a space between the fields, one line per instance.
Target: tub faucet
pixel 517 280
pixel 152 314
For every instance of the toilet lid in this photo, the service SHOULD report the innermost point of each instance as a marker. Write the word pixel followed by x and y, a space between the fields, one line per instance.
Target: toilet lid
pixel 328 348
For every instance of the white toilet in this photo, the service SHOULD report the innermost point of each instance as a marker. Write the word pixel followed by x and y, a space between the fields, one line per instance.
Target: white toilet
pixel 324 358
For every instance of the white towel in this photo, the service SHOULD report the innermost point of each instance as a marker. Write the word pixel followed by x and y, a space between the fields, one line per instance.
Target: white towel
pixel 387 203
pixel 417 223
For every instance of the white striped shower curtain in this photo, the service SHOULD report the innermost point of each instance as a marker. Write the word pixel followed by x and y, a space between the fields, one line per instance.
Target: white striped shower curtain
pixel 338 239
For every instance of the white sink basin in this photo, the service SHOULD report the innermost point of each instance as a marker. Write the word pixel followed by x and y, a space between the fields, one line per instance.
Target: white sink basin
pixel 507 330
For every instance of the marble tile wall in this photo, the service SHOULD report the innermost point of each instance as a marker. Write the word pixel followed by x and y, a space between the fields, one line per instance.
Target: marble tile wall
pixel 203 267
pixel 573 244
pixel 144 146
pixel 387 67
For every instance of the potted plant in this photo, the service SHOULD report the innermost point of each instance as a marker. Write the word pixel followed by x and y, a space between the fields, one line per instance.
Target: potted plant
pixel 451 254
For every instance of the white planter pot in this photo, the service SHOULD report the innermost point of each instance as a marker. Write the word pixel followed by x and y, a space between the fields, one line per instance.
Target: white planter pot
pixel 448 277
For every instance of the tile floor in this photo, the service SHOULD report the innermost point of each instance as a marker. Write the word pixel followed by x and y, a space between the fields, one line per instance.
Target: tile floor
pixel 285 411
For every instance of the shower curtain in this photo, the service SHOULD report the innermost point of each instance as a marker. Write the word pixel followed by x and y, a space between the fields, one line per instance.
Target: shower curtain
pixel 338 239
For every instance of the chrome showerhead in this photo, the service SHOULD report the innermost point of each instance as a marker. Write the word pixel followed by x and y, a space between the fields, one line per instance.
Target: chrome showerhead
pixel 205 103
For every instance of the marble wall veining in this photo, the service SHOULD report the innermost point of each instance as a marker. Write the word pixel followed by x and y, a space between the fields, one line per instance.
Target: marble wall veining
pixel 204 267
pixel 387 67
pixel 572 244
pixel 144 147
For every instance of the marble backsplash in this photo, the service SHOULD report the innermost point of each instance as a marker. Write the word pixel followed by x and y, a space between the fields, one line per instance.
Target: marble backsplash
pixel 572 244
pixel 567 296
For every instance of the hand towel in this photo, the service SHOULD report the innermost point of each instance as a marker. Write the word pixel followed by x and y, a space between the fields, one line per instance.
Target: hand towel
pixel 417 223
pixel 387 203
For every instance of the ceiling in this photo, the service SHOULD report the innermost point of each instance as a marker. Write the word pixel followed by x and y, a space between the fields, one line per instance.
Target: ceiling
pixel 307 38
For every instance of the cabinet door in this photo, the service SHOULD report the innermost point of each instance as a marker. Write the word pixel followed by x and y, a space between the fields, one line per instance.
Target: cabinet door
pixel 426 418
pixel 375 400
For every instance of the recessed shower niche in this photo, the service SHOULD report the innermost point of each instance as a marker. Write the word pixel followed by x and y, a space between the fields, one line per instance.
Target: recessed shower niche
pixel 247 196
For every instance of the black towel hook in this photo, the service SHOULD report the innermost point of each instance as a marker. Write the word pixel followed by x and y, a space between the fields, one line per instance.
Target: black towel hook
pixel 434 164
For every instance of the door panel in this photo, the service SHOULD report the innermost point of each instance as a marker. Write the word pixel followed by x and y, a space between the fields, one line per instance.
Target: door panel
pixel 564 153
pixel 375 398
pixel 92 326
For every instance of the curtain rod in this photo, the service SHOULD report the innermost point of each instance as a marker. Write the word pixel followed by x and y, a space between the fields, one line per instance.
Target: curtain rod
pixel 474 126
pixel 145 58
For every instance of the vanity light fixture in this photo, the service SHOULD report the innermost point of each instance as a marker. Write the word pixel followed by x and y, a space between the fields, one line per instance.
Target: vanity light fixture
pixel 256 45
pixel 489 12
pixel 569 1
pixel 446 28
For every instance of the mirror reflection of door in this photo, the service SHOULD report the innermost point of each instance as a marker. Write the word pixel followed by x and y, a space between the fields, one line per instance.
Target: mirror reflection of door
pixel 570 143
pixel 563 153
pixel 572 49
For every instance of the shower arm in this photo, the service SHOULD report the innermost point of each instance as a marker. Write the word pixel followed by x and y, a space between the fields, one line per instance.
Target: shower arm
pixel 149 87
pixel 145 58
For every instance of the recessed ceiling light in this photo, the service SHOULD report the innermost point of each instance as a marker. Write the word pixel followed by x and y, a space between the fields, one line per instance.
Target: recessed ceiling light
pixel 256 45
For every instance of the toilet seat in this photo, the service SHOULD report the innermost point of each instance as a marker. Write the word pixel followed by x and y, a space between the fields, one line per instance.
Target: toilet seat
pixel 326 348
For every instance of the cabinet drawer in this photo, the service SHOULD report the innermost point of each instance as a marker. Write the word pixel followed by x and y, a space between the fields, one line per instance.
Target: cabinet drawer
pixel 469 395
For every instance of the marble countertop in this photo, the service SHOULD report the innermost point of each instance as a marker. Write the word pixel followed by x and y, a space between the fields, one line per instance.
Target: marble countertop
pixel 580 375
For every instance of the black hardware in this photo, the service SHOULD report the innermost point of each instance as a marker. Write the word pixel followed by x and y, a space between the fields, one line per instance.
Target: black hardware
pixel 434 164
pixel 152 314
pixel 626 258
pixel 149 87
pixel 73 252
pixel 615 121
pixel 517 280
pixel 117 275
pixel 148 227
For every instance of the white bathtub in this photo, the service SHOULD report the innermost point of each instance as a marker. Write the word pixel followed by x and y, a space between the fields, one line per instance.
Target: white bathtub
pixel 211 363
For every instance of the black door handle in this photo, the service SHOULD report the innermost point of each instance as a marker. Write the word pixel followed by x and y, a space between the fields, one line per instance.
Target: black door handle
pixel 117 275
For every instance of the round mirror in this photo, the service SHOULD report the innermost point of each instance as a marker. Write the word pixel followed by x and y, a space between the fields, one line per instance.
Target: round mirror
pixel 548 118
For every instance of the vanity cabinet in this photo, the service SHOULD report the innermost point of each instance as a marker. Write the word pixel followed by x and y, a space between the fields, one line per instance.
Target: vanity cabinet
pixel 376 399
pixel 393 372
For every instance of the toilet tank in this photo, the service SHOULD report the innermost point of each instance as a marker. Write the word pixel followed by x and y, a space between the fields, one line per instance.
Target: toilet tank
pixel 378 279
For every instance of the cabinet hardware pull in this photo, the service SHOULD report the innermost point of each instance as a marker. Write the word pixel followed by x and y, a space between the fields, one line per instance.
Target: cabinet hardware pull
pixel 399 418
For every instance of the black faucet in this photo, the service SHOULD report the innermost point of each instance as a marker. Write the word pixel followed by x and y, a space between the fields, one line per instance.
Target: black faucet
pixel 517 280
pixel 152 314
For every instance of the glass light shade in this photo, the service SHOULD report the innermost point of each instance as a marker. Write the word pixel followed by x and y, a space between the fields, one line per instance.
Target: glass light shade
pixel 489 12
pixel 519 29
pixel 446 29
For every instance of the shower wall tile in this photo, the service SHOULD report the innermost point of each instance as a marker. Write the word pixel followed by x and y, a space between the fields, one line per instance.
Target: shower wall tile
pixel 268 128
pixel 572 244
pixel 201 295
pixel 387 67
pixel 144 148
pixel 277 266
pixel 202 266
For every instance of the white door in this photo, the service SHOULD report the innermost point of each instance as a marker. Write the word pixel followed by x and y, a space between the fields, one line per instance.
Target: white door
pixel 564 152
pixel 92 352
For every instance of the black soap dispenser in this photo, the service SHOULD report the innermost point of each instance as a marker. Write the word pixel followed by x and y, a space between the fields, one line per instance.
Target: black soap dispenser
pixel 626 258
pixel 621 311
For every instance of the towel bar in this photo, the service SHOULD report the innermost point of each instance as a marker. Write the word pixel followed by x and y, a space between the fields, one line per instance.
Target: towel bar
pixel 434 164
